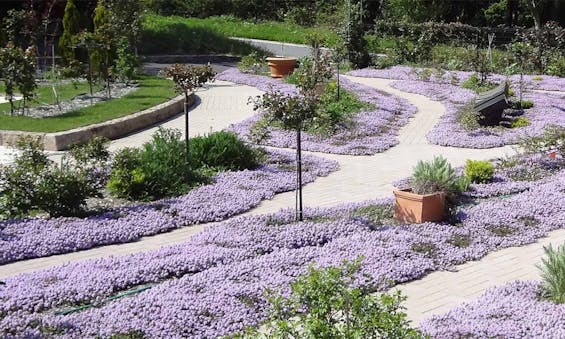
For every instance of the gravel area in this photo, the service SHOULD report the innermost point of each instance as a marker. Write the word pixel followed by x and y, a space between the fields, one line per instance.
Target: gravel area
pixel 80 101
pixel 118 90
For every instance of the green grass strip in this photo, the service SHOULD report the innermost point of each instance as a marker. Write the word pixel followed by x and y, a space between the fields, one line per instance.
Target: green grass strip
pixel 178 35
pixel 151 91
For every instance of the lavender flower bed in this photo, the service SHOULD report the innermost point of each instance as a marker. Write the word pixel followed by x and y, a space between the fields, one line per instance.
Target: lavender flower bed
pixel 213 284
pixel 372 131
pixel 231 193
pixel 511 311
pixel 547 110
pixel 539 82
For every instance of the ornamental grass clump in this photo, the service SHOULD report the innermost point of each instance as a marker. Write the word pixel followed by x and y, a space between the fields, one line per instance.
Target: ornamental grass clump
pixel 437 176
pixel 553 274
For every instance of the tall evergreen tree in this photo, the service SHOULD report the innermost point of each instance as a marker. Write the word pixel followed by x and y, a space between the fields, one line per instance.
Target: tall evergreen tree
pixel 101 25
pixel 71 27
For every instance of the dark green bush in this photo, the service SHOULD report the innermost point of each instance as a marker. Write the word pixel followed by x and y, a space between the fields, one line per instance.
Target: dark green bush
pixel 96 149
pixel 18 182
pixel 63 191
pixel 223 151
pixel 333 112
pixel 479 171
pixel 34 183
pixel 159 169
pixel 525 104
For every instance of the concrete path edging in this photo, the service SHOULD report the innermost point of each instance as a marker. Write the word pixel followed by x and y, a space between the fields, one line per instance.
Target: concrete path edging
pixel 111 129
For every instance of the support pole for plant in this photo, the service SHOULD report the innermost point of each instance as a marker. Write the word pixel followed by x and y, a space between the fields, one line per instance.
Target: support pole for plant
pixel 187 149
pixel 299 214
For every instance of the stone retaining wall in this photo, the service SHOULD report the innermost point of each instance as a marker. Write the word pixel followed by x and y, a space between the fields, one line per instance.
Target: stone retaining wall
pixel 111 129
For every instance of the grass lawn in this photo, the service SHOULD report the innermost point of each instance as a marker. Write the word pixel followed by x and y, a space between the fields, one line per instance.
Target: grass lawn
pixel 177 35
pixel 151 91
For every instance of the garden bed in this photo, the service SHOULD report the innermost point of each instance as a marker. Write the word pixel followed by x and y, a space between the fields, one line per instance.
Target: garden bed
pixel 536 82
pixel 213 284
pixel 449 132
pixel 371 131
pixel 514 310
pixel 231 193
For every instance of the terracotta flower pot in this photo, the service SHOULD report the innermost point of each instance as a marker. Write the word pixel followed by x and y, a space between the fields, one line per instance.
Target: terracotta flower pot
pixel 415 208
pixel 281 66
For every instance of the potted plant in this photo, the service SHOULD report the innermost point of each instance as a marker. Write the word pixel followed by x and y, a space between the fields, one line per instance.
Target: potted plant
pixel 281 66
pixel 434 188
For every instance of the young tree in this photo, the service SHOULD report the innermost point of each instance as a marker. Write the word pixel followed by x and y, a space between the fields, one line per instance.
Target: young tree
pixel 17 67
pixel 293 111
pixel 71 27
pixel 101 25
pixel 353 34
pixel 326 303
pixel 535 7
pixel 186 79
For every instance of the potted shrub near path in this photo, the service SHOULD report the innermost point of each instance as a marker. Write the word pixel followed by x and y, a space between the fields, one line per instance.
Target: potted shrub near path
pixel 434 186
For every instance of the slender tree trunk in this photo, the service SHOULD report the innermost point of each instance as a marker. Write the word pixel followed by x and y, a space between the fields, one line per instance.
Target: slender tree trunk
pixel 187 148
pixel 535 9
pixel 299 214
pixel 510 10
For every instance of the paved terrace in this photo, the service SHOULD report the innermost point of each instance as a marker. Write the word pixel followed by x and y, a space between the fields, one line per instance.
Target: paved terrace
pixel 359 178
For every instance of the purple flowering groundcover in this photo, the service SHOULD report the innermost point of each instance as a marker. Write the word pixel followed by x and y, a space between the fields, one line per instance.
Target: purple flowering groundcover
pixel 230 194
pixel 547 110
pixel 213 284
pixel 510 311
pixel 536 82
pixel 372 130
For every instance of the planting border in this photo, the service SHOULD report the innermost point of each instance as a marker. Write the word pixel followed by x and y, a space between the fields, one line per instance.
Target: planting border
pixel 111 129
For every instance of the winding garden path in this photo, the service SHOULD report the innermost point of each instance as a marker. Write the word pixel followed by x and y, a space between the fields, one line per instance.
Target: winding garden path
pixel 359 178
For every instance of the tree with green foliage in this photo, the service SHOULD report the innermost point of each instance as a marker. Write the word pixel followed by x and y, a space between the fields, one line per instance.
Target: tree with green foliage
pixel 325 303
pixel 101 20
pixel 17 68
pixel 186 79
pixel 71 27
pixel 20 28
pixel 353 34
pixel 294 111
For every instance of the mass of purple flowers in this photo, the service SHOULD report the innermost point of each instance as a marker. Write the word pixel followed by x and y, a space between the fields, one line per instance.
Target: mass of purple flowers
pixel 230 194
pixel 372 131
pixel 511 311
pixel 539 82
pixel 547 110
pixel 214 284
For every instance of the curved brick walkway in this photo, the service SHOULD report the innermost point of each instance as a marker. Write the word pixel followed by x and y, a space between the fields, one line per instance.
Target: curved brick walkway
pixel 359 178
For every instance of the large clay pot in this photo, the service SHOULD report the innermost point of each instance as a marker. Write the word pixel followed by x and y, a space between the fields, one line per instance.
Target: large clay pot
pixel 414 208
pixel 281 66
